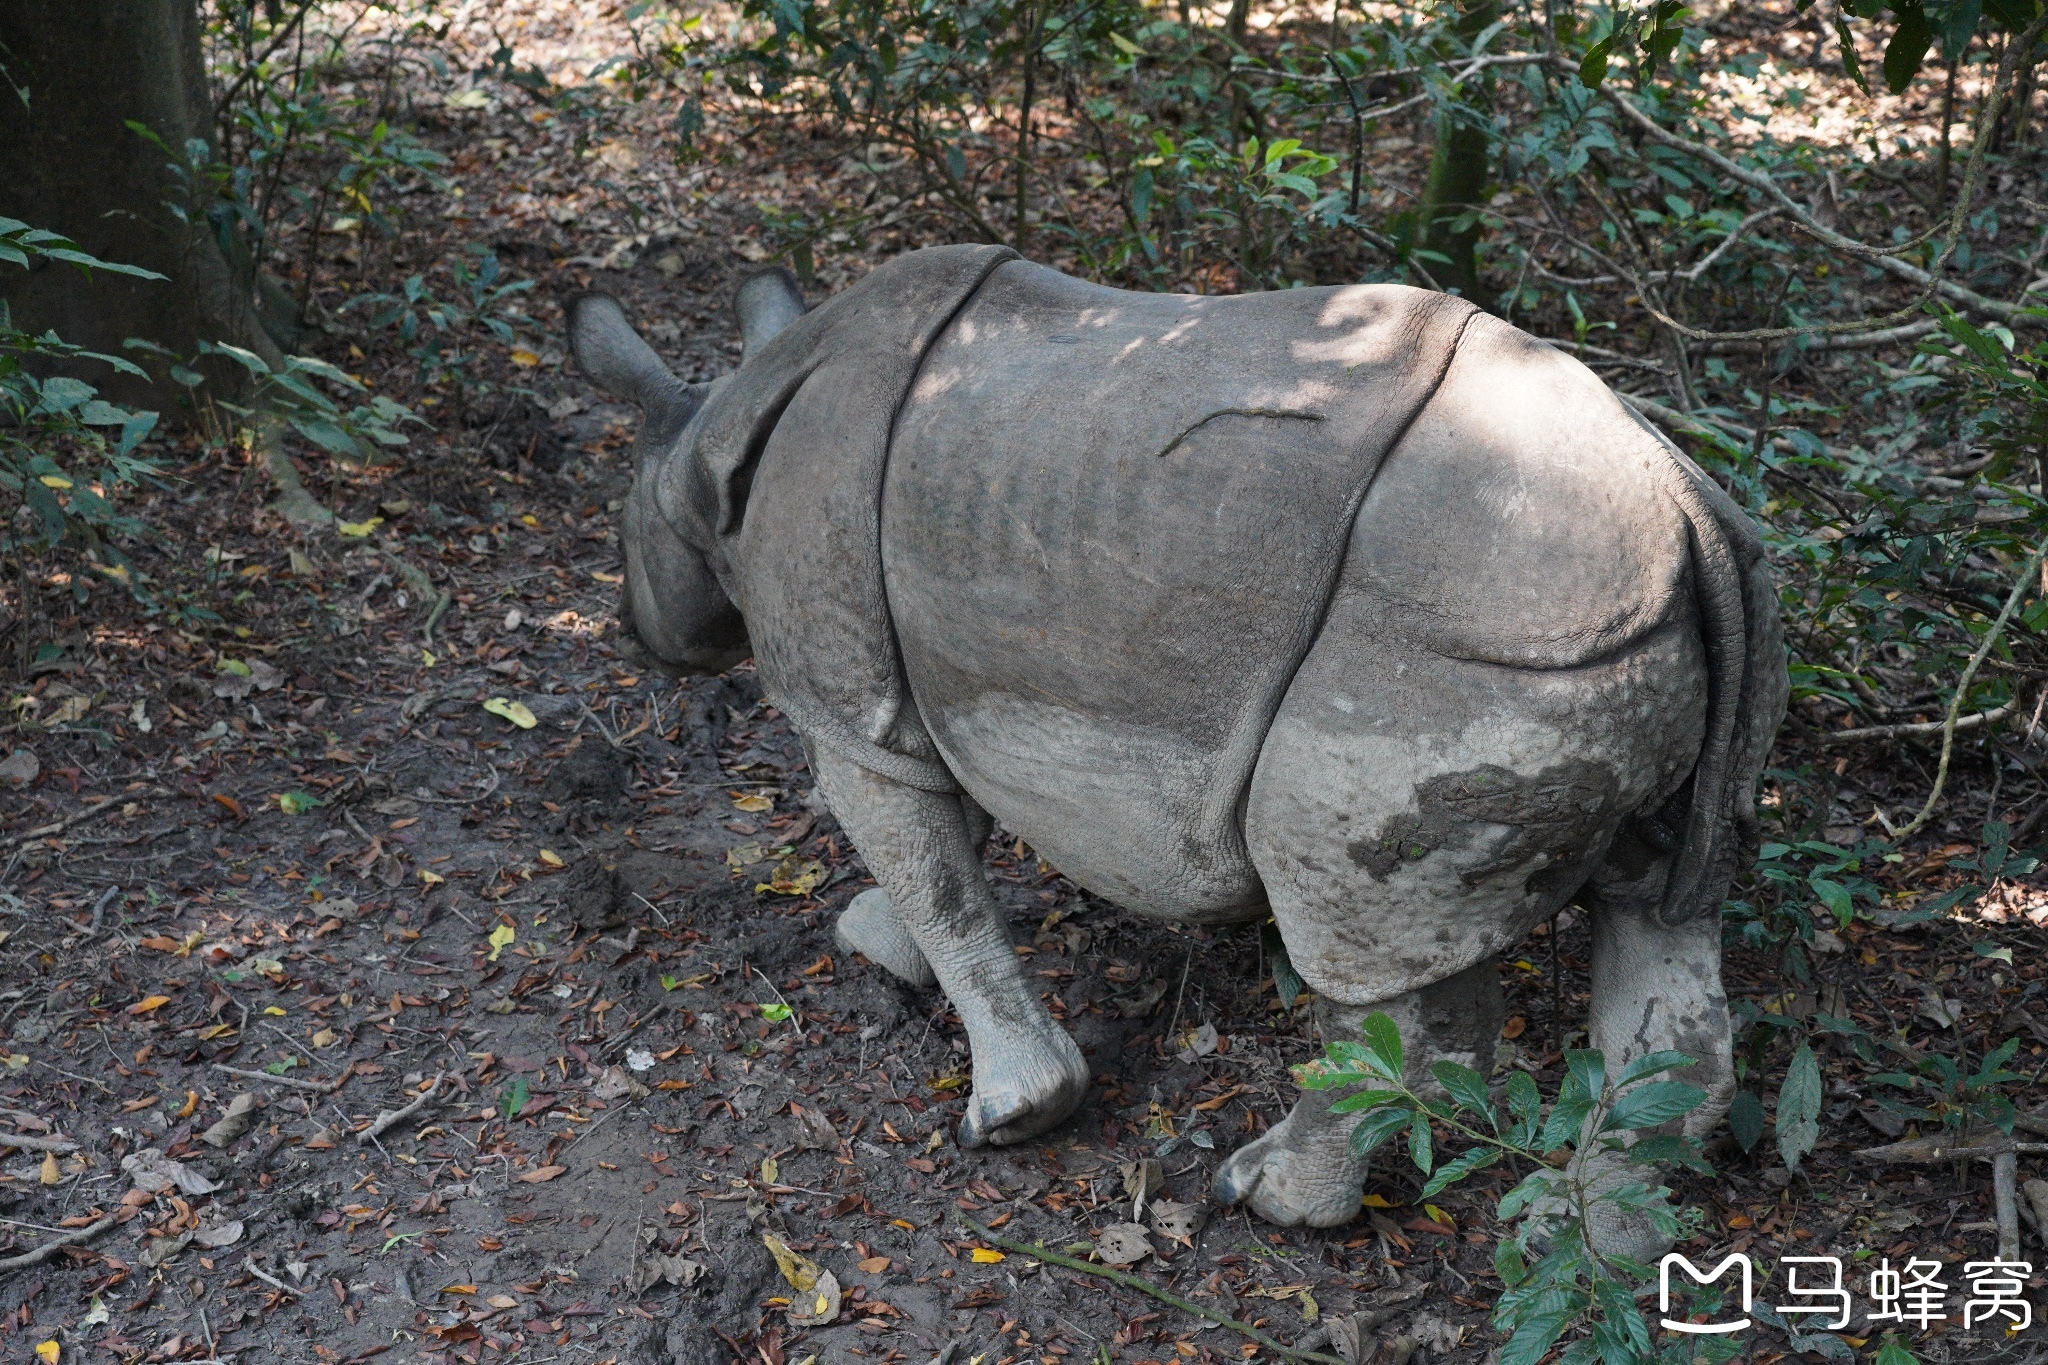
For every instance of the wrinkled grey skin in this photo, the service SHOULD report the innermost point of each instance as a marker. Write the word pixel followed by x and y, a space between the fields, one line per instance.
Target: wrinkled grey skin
pixel 1521 673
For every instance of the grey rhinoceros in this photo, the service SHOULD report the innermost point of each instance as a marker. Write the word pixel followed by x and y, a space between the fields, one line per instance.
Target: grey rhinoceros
pixel 1353 606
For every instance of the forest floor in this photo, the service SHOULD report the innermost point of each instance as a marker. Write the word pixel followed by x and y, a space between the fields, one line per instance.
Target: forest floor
pixel 274 878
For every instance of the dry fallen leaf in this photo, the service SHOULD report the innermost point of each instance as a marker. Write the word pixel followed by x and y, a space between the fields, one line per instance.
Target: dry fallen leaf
pixel 233 1123
pixel 1122 1244
pixel 801 1272
pixel 149 1003
pixel 540 1175
pixel 219 1235
pixel 51 1175
pixel 514 711
pixel 984 1256
pixel 753 804
pixel 874 1265
pixel 1177 1222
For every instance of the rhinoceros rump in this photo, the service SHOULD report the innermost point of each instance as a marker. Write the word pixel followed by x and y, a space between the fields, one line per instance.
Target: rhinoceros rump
pixel 1353 606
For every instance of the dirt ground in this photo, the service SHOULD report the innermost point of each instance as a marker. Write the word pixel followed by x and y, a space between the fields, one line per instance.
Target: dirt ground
pixel 277 876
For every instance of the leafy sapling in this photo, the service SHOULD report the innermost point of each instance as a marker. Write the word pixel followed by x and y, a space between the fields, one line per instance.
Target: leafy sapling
pixel 1580 1154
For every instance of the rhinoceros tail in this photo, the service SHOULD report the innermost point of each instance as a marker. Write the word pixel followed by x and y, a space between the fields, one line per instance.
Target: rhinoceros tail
pixel 1746 693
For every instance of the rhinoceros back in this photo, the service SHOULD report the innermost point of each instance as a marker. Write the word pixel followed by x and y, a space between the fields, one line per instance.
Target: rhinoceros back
pixel 1111 524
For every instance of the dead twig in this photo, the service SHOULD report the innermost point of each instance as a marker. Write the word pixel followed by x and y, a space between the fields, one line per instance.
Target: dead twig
pixel 249 1264
pixel 1933 1149
pixel 317 1087
pixel 37 1144
pixel 1916 730
pixel 391 1117
pixel 59 826
pixel 57 1244
pixel 1143 1286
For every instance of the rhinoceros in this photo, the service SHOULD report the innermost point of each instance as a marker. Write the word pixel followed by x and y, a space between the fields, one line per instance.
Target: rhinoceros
pixel 1356 607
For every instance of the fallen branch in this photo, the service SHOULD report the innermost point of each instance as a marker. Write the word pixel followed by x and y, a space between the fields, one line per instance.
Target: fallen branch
pixel 1917 730
pixel 57 1244
pixel 37 1144
pixel 1932 1149
pixel 317 1087
pixel 249 1264
pixel 392 1117
pixel 59 826
pixel 1244 1329
pixel 2005 1188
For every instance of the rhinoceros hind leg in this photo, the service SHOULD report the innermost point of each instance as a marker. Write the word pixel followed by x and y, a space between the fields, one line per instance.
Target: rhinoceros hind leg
pixel 1028 1072
pixel 1656 988
pixel 869 926
pixel 1303 1172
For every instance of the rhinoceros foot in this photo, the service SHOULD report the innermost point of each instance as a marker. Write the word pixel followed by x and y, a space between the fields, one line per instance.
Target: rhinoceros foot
pixel 1026 1079
pixel 1300 1174
pixel 870 926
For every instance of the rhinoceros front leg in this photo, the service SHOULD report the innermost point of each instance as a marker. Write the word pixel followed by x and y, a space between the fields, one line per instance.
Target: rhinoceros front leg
pixel 1302 1172
pixel 924 849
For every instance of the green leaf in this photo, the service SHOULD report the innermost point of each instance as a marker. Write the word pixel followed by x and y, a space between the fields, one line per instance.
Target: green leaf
pixel 1464 1085
pixel 1383 1036
pixel 1451 1172
pixel 1376 1127
pixel 1593 66
pixel 775 1012
pixel 1908 47
pixel 1585 1075
pixel 1420 1148
pixel 513 1098
pixel 1894 1352
pixel 1746 1119
pixel 1538 1329
pixel 1286 981
pixel 1533 1187
pixel 1836 898
pixel 1566 1119
pixel 297 803
pixel 1850 62
pixel 1365 1100
pixel 1651 1103
pixel 1508 1262
pixel 1649 1064
pixel 1799 1107
pixel 1525 1102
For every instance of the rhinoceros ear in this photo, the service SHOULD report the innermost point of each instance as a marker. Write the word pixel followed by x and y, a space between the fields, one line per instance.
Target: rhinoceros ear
pixel 765 304
pixel 617 360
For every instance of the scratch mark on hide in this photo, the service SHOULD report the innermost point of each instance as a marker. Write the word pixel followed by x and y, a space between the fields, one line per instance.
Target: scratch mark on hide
pixel 1284 414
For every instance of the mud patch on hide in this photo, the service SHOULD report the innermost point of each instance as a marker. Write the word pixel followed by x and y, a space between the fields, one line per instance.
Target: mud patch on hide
pixel 1554 813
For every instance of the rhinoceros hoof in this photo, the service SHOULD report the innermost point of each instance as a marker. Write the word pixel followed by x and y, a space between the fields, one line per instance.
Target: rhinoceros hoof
pixel 1026 1087
pixel 869 926
pixel 1295 1179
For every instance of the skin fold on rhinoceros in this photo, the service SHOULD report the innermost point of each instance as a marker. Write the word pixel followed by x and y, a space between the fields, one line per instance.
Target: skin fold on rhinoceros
pixel 1352 606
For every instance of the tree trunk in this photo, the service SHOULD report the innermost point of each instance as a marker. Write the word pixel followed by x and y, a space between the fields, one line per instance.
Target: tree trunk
pixel 69 163
pixel 1457 180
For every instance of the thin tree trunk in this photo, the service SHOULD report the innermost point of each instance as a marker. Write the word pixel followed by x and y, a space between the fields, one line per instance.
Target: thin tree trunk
pixel 1031 28
pixel 1948 116
pixel 70 163
pixel 1456 186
